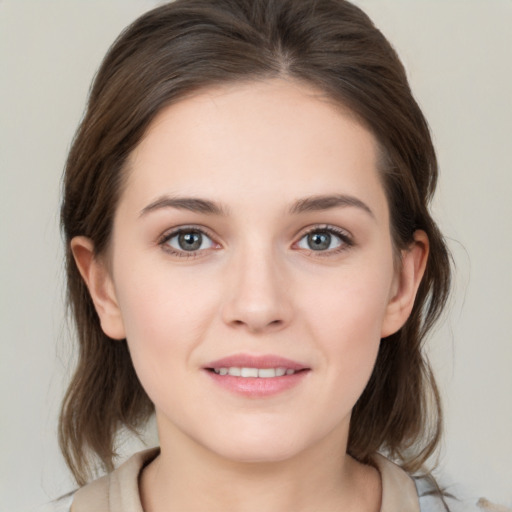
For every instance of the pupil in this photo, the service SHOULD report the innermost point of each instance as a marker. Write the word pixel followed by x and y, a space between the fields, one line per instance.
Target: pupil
pixel 190 241
pixel 319 241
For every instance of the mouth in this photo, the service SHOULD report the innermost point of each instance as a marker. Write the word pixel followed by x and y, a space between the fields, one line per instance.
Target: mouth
pixel 260 373
pixel 256 376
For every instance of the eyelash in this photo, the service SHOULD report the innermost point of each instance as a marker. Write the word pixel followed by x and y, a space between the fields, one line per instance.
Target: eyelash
pixel 346 240
pixel 164 241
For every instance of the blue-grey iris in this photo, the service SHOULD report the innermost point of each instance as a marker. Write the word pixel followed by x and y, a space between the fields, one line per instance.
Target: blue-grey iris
pixel 319 241
pixel 190 240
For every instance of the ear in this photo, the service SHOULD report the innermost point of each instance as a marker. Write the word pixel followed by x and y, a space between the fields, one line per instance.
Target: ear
pixel 407 281
pixel 101 287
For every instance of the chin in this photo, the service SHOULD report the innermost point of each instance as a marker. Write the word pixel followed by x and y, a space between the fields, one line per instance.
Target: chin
pixel 259 443
pixel 258 451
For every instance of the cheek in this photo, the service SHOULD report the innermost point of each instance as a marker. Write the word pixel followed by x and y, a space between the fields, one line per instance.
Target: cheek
pixel 160 303
pixel 165 315
pixel 351 303
pixel 346 321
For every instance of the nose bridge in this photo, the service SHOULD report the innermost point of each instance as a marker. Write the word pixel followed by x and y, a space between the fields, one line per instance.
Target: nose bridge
pixel 257 295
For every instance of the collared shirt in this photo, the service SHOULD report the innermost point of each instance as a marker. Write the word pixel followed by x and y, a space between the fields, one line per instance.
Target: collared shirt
pixel 119 491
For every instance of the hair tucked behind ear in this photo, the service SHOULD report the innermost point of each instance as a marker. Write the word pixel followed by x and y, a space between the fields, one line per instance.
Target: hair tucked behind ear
pixel 188 45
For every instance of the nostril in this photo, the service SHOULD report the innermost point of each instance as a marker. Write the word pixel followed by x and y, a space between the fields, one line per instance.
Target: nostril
pixel 255 325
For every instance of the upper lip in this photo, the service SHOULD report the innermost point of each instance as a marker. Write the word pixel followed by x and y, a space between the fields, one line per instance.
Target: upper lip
pixel 256 361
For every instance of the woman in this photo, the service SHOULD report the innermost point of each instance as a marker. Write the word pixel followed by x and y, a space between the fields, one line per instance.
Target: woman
pixel 250 256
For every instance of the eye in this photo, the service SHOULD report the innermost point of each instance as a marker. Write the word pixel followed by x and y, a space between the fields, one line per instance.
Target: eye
pixel 324 240
pixel 187 240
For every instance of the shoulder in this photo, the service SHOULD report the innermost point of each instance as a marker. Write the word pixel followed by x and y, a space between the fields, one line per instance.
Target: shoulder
pixel 401 491
pixel 112 491
pixel 62 504
pixel 432 500
pixel 118 490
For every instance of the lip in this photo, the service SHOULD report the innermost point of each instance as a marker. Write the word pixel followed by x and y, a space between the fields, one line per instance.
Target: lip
pixel 254 387
pixel 256 361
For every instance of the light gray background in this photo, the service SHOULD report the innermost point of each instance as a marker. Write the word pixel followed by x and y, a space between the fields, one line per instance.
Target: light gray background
pixel 458 54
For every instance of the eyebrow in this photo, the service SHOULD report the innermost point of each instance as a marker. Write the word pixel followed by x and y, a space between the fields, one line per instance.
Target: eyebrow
pixel 326 202
pixel 192 204
pixel 307 204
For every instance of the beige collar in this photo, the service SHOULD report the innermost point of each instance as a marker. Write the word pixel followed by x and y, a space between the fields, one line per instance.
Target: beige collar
pixel 119 491
pixel 398 489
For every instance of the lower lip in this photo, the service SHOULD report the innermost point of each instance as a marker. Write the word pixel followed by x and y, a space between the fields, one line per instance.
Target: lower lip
pixel 256 387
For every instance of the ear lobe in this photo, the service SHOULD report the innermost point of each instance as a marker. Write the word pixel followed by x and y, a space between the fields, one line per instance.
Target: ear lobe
pixel 101 287
pixel 408 279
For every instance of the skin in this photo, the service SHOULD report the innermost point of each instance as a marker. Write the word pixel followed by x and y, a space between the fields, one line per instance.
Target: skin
pixel 256 287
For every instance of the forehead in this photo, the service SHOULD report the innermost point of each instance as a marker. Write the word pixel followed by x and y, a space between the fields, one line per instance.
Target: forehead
pixel 272 139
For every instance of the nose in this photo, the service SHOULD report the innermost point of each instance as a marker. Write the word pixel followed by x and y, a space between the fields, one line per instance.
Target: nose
pixel 258 293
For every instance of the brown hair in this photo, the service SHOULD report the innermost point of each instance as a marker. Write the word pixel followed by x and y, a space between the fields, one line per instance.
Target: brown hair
pixel 188 45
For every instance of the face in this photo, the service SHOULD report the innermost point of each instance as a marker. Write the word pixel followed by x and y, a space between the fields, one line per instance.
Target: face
pixel 251 269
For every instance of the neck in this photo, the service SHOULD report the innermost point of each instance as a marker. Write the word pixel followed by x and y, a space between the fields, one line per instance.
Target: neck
pixel 188 476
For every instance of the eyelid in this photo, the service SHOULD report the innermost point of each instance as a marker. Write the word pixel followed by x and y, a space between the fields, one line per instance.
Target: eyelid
pixel 347 239
pixel 172 232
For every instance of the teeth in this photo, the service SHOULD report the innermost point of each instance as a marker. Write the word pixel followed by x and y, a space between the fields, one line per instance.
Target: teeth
pixel 248 372
pixel 262 373
pixel 266 373
pixel 235 372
